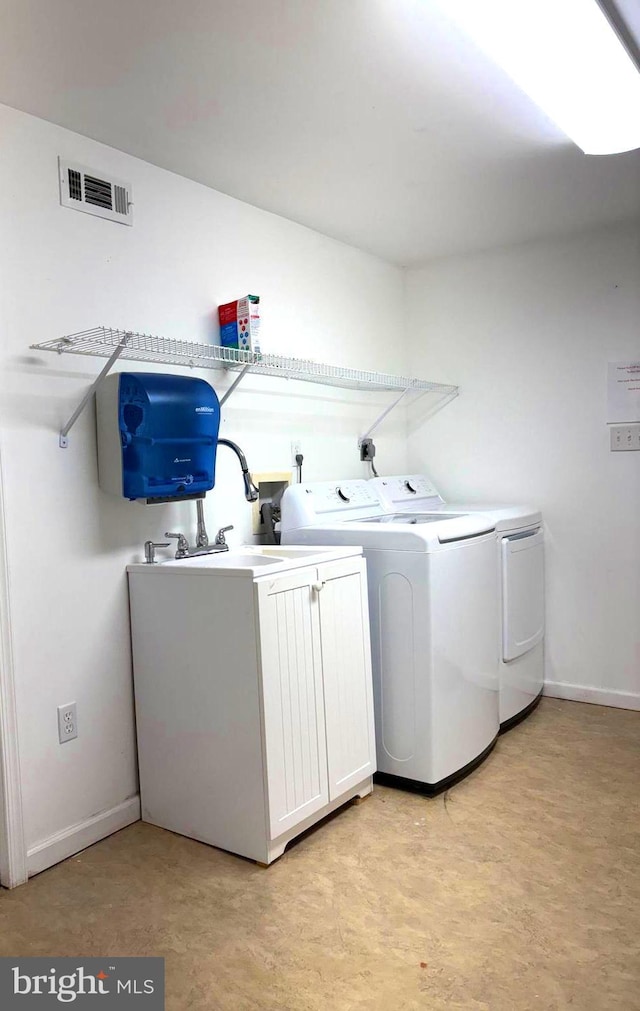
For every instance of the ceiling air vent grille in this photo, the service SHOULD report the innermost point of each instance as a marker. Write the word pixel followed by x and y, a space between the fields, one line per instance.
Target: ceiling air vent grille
pixel 95 193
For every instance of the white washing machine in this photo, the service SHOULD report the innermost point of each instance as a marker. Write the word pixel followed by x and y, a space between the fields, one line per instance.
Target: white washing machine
pixel 520 551
pixel 433 602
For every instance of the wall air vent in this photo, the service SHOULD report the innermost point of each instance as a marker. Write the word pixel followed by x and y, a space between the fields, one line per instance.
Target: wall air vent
pixel 84 189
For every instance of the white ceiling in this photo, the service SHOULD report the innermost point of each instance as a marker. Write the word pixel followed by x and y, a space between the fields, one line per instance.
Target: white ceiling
pixel 373 121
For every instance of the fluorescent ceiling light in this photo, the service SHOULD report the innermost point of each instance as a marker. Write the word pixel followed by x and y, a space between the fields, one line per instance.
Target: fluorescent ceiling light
pixel 566 56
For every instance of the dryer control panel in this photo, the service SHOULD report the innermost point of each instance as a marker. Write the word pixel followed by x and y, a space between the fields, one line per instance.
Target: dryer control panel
pixel 412 491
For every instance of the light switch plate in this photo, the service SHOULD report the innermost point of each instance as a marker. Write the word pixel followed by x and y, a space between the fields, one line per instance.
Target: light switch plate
pixel 625 437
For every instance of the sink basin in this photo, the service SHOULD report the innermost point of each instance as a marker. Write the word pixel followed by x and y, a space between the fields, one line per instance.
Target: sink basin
pixel 235 560
pixel 251 556
pixel 281 552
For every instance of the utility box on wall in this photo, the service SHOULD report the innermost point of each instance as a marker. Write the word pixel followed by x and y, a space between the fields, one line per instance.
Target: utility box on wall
pixel 271 488
pixel 157 436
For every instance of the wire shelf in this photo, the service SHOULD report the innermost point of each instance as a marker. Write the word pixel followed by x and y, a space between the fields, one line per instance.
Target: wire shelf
pixel 104 342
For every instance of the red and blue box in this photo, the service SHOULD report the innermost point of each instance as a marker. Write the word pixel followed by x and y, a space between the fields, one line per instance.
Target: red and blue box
pixel 240 324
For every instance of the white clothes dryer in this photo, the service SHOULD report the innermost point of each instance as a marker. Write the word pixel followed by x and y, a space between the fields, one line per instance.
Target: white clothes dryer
pixel 433 603
pixel 520 562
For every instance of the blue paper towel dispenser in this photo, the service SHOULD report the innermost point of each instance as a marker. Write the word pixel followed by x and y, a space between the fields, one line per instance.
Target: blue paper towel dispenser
pixel 157 436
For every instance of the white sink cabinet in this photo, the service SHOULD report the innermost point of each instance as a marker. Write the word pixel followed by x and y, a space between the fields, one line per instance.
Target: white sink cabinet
pixel 253 695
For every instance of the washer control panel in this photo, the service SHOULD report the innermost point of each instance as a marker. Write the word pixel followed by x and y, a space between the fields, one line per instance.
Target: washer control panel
pixel 305 504
pixel 329 496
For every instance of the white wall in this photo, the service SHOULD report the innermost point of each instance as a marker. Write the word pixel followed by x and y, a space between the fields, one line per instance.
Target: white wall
pixel 527 333
pixel 68 543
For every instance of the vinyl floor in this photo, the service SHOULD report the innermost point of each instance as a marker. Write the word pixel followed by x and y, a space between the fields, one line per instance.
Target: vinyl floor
pixel 518 889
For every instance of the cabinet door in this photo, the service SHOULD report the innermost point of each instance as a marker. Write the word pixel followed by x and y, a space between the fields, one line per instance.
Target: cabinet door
pixel 346 662
pixel 294 728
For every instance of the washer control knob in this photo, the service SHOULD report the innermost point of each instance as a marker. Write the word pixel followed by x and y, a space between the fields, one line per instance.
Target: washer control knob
pixel 342 495
pixel 410 487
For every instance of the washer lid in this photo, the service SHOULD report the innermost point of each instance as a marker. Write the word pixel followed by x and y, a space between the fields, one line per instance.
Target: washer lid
pixel 414 518
pixel 352 512
pixel 419 532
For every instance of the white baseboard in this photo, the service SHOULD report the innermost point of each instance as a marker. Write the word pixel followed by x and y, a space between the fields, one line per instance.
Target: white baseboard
pixel 596 696
pixel 71 840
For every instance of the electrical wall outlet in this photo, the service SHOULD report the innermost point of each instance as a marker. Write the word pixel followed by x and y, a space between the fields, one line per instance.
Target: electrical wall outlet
pixel 367 450
pixel 296 450
pixel 67 722
pixel 625 437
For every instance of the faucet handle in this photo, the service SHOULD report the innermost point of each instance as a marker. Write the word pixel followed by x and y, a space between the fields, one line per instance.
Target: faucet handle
pixel 183 544
pixel 150 550
pixel 220 538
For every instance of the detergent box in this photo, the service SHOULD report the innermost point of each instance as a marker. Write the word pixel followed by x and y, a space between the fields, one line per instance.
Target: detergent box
pixel 240 324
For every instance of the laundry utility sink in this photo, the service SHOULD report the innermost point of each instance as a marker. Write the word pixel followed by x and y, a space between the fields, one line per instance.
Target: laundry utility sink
pixel 250 559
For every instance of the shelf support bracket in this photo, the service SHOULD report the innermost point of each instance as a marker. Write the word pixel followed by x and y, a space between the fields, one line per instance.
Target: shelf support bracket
pixel 236 381
pixel 382 416
pixel 64 432
pixel 410 389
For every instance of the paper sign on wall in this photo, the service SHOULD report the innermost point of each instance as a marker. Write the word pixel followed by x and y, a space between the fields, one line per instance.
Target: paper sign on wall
pixel 623 392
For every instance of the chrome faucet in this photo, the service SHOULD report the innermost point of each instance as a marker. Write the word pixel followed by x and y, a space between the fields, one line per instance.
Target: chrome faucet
pixel 203 547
